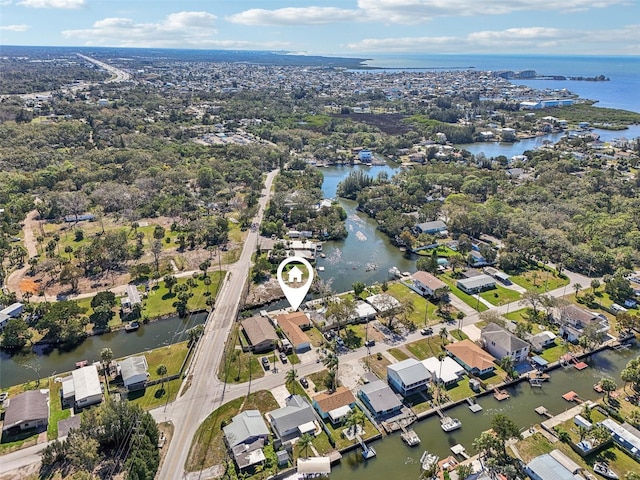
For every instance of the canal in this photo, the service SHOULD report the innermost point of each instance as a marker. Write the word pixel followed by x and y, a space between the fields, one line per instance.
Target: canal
pixel 396 460
pixel 14 369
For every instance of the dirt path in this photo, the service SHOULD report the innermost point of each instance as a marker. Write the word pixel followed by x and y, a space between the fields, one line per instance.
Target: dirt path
pixel 29 241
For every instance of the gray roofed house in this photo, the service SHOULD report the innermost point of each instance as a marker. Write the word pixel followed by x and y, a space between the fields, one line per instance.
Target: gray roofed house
pixel 132 298
pixel 408 376
pixel 545 467
pixel 260 333
pixel 246 427
pixel 574 319
pixel 437 226
pixel 134 371
pixel 27 410
pixel 379 398
pixel 476 284
pixel 542 340
pixel 296 418
pixel 501 343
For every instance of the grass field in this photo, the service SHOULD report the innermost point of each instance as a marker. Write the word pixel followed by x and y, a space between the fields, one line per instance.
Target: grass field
pixel 500 295
pixel 56 413
pixel 208 447
pixel 424 313
pixel 539 280
pixel 427 347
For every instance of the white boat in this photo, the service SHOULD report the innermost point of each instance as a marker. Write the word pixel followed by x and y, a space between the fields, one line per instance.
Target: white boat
pixel 428 460
pixel 604 470
pixel 410 437
pixel 449 424
pixel 394 272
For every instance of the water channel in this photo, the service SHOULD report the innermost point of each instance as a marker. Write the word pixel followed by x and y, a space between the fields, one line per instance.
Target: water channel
pixel 153 335
pixel 396 460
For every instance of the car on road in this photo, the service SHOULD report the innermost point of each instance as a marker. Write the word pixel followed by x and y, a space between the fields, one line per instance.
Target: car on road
pixel 426 331
pixel 283 357
pixel 369 343
pixel 304 382
pixel 265 363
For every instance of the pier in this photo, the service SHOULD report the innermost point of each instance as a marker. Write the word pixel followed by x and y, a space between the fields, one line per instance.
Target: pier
pixel 543 411
pixel 460 450
pixel 500 395
pixel 367 452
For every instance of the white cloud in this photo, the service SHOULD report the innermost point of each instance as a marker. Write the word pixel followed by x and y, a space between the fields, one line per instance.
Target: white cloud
pixel 66 4
pixel 295 16
pixel 15 28
pixel 624 40
pixel 180 30
pixel 416 11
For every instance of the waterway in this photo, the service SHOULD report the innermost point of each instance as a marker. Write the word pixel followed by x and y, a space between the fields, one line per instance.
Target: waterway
pixel 396 460
pixel 366 254
pixel 152 335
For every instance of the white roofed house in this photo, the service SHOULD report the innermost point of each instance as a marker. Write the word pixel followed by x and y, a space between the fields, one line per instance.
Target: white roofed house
pixel 408 376
pixel 447 371
pixel 542 340
pixel 383 302
pixel 83 388
pixel 476 284
pixel 294 419
pixel 429 285
pixel 134 371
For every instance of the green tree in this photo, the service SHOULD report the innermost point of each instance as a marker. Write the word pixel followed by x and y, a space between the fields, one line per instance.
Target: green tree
pixel 290 379
pixel 355 418
pixel 464 470
pixel 162 371
pixel 204 266
pixel 358 288
pixel 608 385
pixel 16 334
pixel 169 282
pixel 504 428
pixel 106 355
pixel 304 442
pixel 70 275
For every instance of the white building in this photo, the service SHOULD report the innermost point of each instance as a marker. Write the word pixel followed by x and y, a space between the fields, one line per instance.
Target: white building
pixel 447 371
pixel 83 388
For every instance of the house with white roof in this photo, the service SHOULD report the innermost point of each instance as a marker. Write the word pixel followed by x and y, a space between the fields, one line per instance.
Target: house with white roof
pixel 83 388
pixel 134 372
pixel 294 419
pixel 245 436
pixel 408 376
pixel 383 302
pixel 447 371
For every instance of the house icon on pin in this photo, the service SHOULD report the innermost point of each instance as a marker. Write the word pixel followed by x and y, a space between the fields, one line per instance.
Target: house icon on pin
pixel 295 275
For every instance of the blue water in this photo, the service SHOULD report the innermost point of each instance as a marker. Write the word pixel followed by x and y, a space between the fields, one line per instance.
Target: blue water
pixel 622 91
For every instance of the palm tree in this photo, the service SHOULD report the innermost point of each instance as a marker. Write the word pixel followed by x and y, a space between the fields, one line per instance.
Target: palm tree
pixel 290 378
pixel 304 442
pixel 355 418
pixel 106 355
pixel 577 287
pixel 444 333
pixel 162 371
pixel 331 361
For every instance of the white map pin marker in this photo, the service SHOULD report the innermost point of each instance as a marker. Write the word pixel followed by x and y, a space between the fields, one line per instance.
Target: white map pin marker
pixel 295 294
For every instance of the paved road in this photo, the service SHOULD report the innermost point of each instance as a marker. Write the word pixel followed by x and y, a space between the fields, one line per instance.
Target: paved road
pixel 206 391
pixel 119 75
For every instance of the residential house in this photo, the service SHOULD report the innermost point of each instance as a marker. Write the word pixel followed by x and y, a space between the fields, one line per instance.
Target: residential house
pixel 547 467
pixel 501 343
pixel 294 419
pixel 245 436
pixel 476 259
pixel 476 284
pixel 408 376
pixel 291 325
pixel 27 410
pixel 379 399
pixel 431 228
pixel 364 311
pixel 4 319
pixel 14 310
pixel 134 371
pixel 383 302
pixel 542 340
pixel 473 358
pixel 132 298
pixel 573 321
pixel 334 406
pixel 625 436
pixel 429 285
pixel 83 388
pixel 447 371
pixel 259 333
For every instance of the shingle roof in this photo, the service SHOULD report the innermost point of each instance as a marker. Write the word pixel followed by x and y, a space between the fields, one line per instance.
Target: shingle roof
pixel 429 280
pixel 258 330
pixel 471 354
pixel 503 337
pixel 297 412
pixel 330 401
pixel 28 406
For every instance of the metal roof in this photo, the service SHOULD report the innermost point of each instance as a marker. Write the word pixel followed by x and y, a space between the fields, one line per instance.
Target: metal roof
pixel 246 425
pixel 380 396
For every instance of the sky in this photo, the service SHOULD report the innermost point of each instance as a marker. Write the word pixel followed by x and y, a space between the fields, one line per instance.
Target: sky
pixel 335 27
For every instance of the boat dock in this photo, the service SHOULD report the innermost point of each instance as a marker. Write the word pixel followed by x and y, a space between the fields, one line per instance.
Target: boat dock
pixel 367 452
pixel 410 437
pixel 473 406
pixel 460 450
pixel 500 394
pixel 572 397
pixel 543 411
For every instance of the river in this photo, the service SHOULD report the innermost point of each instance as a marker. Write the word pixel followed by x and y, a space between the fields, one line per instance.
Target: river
pixel 397 460
pixel 147 337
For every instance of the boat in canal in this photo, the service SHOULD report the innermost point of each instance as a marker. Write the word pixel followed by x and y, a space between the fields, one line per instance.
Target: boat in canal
pixel 449 424
pixel 132 327
pixel 604 470
pixel 410 437
pixel 428 461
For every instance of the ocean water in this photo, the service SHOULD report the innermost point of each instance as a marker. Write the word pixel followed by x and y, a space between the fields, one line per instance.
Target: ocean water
pixel 622 91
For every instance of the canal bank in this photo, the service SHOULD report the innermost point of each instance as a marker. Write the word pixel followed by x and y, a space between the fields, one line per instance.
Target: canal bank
pixel 395 458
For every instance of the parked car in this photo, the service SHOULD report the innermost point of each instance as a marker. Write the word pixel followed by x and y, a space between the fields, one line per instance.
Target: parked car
pixel 369 343
pixel 283 357
pixel 304 382
pixel 265 363
pixel 426 331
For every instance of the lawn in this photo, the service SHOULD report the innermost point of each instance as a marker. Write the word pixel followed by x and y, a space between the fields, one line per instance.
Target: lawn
pixel 342 441
pixel 465 297
pixel 238 366
pixel 424 312
pixel 172 356
pixel 156 395
pixel 318 379
pixel 553 354
pixel 458 334
pixel 159 301
pixel 377 364
pixel 399 354
pixel 538 280
pixel 460 391
pixel 518 315
pixel 208 447
pixel 56 413
pixel 426 347
pixel 500 295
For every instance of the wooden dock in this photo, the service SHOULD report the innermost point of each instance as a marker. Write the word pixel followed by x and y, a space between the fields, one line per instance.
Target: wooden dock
pixel 460 450
pixel 543 411
pixel 500 394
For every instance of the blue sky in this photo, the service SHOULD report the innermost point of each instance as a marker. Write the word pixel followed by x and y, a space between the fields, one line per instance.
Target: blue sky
pixel 343 27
